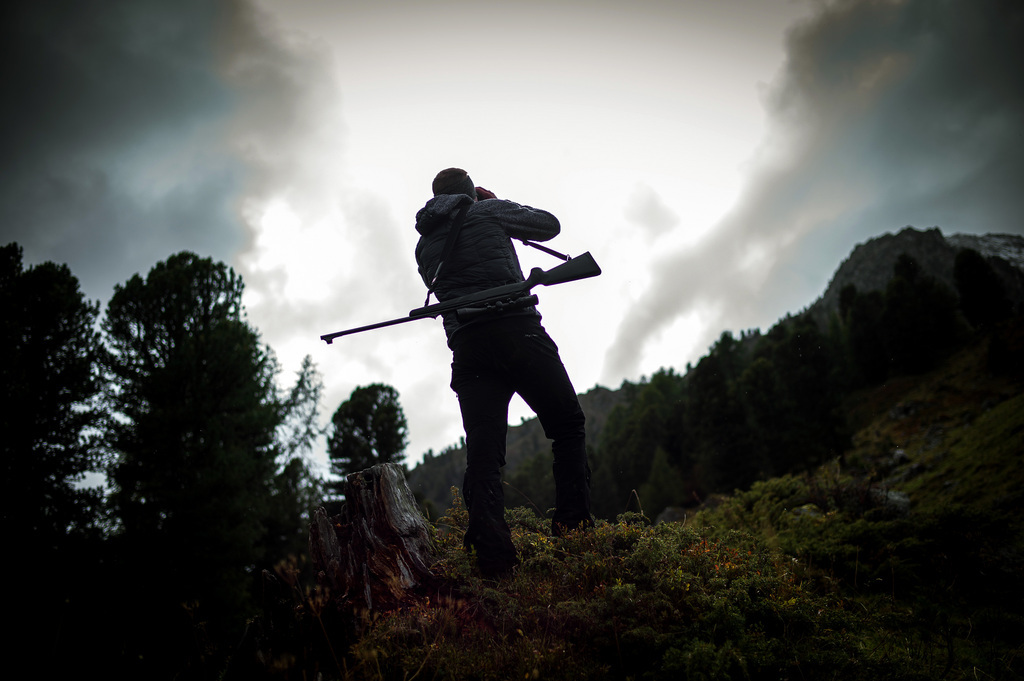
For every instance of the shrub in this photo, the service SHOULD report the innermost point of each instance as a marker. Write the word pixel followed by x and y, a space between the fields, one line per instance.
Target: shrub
pixel 622 600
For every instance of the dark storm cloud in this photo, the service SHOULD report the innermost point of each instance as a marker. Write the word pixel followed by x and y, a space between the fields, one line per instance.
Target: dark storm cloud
pixel 927 96
pixel 886 113
pixel 110 135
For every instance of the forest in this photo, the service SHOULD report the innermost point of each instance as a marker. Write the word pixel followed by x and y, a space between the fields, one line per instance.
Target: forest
pixel 172 396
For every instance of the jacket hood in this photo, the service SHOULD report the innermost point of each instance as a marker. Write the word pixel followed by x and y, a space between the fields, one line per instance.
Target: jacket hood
pixel 437 211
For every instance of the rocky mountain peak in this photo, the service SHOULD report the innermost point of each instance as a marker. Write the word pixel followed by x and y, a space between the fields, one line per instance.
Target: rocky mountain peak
pixel 870 265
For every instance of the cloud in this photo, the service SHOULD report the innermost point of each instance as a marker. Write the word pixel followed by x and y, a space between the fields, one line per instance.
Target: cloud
pixel 326 248
pixel 886 113
pixel 649 210
pixel 145 127
pixel 319 230
pixel 111 136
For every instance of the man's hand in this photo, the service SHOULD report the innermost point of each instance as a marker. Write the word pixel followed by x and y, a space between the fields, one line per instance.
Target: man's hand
pixel 482 194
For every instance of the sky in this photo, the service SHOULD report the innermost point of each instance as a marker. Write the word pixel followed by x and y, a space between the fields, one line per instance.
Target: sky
pixel 718 158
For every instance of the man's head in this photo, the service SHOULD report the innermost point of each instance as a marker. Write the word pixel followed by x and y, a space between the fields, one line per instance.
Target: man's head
pixel 453 181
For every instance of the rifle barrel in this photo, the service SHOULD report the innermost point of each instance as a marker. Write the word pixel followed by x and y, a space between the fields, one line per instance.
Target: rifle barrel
pixel 329 337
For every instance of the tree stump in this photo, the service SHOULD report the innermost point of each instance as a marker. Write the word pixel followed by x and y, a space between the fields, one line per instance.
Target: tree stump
pixel 378 548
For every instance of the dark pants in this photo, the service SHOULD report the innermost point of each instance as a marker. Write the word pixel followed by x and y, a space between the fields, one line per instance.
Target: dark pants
pixel 490 363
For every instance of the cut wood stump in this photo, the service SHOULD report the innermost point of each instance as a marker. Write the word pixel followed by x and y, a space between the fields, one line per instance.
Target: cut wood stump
pixel 379 548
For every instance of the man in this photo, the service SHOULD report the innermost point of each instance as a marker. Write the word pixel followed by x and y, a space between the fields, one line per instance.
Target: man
pixel 497 356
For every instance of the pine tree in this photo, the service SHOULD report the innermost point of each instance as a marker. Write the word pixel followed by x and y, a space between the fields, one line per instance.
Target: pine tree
pixel 919 319
pixel 200 475
pixel 982 294
pixel 367 429
pixel 50 348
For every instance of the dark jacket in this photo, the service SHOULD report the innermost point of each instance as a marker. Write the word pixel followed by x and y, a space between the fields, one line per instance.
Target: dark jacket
pixel 483 256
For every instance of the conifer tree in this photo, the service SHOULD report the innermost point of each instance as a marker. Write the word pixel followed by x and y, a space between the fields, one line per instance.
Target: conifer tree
pixel 200 475
pixel 982 294
pixel 367 429
pixel 50 349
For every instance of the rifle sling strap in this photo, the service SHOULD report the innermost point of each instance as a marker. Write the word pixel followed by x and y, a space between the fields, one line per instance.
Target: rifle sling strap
pixel 449 243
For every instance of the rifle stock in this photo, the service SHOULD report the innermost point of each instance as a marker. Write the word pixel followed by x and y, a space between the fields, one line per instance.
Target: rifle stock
pixel 581 267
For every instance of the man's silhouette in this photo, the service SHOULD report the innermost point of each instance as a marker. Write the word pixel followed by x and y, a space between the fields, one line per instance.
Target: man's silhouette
pixel 497 356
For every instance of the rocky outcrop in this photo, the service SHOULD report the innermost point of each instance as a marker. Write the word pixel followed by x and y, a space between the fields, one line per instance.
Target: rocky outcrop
pixel 870 266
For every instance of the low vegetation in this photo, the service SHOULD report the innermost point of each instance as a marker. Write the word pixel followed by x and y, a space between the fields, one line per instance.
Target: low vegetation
pixel 625 600
pixel 900 560
pixel 830 585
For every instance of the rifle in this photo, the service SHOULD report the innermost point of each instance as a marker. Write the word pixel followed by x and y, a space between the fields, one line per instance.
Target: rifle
pixel 492 300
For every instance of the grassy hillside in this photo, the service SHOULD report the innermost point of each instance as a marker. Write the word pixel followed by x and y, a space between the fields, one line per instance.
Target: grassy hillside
pixel 900 560
pixel 919 524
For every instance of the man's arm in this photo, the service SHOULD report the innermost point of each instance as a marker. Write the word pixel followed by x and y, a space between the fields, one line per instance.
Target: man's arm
pixel 518 221
pixel 521 222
